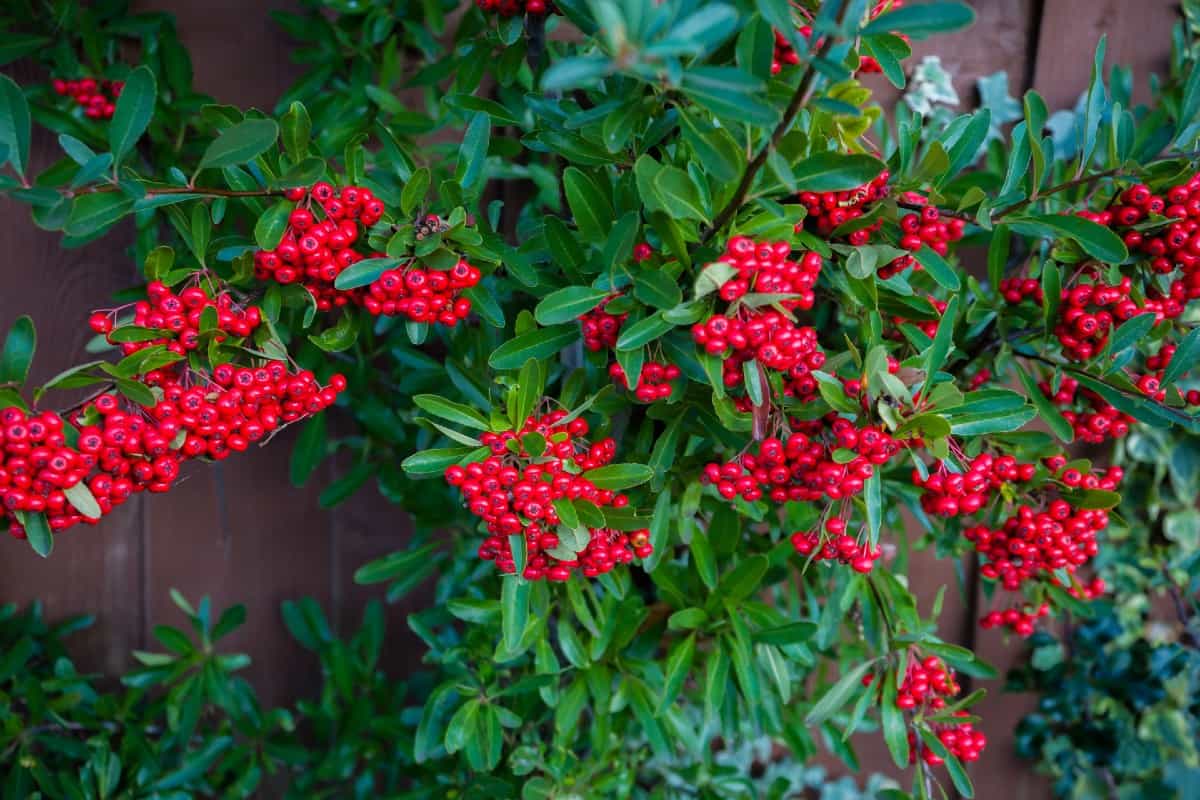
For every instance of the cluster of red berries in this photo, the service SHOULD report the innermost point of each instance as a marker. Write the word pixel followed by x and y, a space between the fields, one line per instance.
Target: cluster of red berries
pixel 927 684
pixel 1092 418
pixel 240 406
pixel 1017 290
pixel 98 98
pixel 123 449
pixel 1151 384
pixel 949 494
pixel 837 545
pixel 772 338
pixel 827 211
pixel 803 467
pixel 1089 312
pixel 314 252
pixel 513 8
pixel 1036 541
pixel 1173 247
pixel 178 317
pixel 785 54
pixel 600 328
pixel 767 268
pixel 925 227
pixel 653 384
pixel 513 493
pixel 1020 621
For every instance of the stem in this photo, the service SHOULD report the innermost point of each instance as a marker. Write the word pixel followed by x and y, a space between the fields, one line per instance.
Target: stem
pixel 803 92
pixel 167 190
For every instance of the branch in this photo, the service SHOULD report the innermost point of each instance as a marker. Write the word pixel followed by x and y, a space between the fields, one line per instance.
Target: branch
pixel 166 190
pixel 803 91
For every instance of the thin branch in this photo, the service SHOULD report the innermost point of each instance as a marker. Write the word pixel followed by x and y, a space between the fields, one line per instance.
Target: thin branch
pixel 799 99
pixel 167 190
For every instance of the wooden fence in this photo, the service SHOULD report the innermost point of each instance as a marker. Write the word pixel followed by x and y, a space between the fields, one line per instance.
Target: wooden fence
pixel 240 533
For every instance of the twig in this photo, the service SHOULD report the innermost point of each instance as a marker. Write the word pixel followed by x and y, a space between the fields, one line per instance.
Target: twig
pixel 803 91
pixel 166 190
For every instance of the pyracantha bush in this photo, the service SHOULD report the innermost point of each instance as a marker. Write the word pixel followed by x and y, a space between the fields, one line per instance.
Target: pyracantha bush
pixel 667 341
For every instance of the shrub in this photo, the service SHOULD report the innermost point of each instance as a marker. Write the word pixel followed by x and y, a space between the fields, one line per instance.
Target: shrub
pixel 658 334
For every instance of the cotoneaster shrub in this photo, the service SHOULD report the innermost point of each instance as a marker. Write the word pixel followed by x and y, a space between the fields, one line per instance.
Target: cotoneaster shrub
pixel 658 333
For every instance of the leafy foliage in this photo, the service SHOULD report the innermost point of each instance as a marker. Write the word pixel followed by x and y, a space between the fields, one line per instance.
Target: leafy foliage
pixel 665 289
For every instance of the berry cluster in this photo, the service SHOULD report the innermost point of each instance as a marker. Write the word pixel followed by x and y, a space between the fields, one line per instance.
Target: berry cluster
pixel 600 328
pixel 926 227
pixel 766 268
pixel 313 252
pixel 837 545
pixel 1020 621
pixel 1092 418
pixel 239 407
pixel 1017 290
pixel 98 98
pixel 1089 312
pixel 768 336
pixel 949 494
pixel 514 491
pixel 928 683
pixel 827 211
pixel 513 8
pixel 1036 541
pixel 653 384
pixel 1175 247
pixel 179 318
pixel 122 448
pixel 926 326
pixel 804 468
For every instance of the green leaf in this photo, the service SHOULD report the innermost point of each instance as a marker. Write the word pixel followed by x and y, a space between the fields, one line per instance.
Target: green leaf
pixel 538 343
pixel 309 449
pixel 514 609
pixel 619 476
pixel 435 461
pixel 295 128
pixel 679 664
pixel 95 211
pixel 1130 333
pixel 791 633
pixel 15 126
pixel 567 304
pixel 703 559
pixel 394 565
pixel 135 107
pixel 943 341
pixel 590 207
pixel 838 694
pixel 744 579
pixel 365 272
pixel 17 355
pixel 1096 240
pixel 730 93
pixel 895 731
pixel 836 172
pixel 473 153
pixel 269 230
pixel 1046 409
pixel 239 143
pixel 341 336
pixel 576 72
pixel 415 189
pixel 921 20
pixel 938 268
pixel 451 412
pixel 1187 356
pixel 82 499
pixel 687 619
pixel 37 532
pixel 643 332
